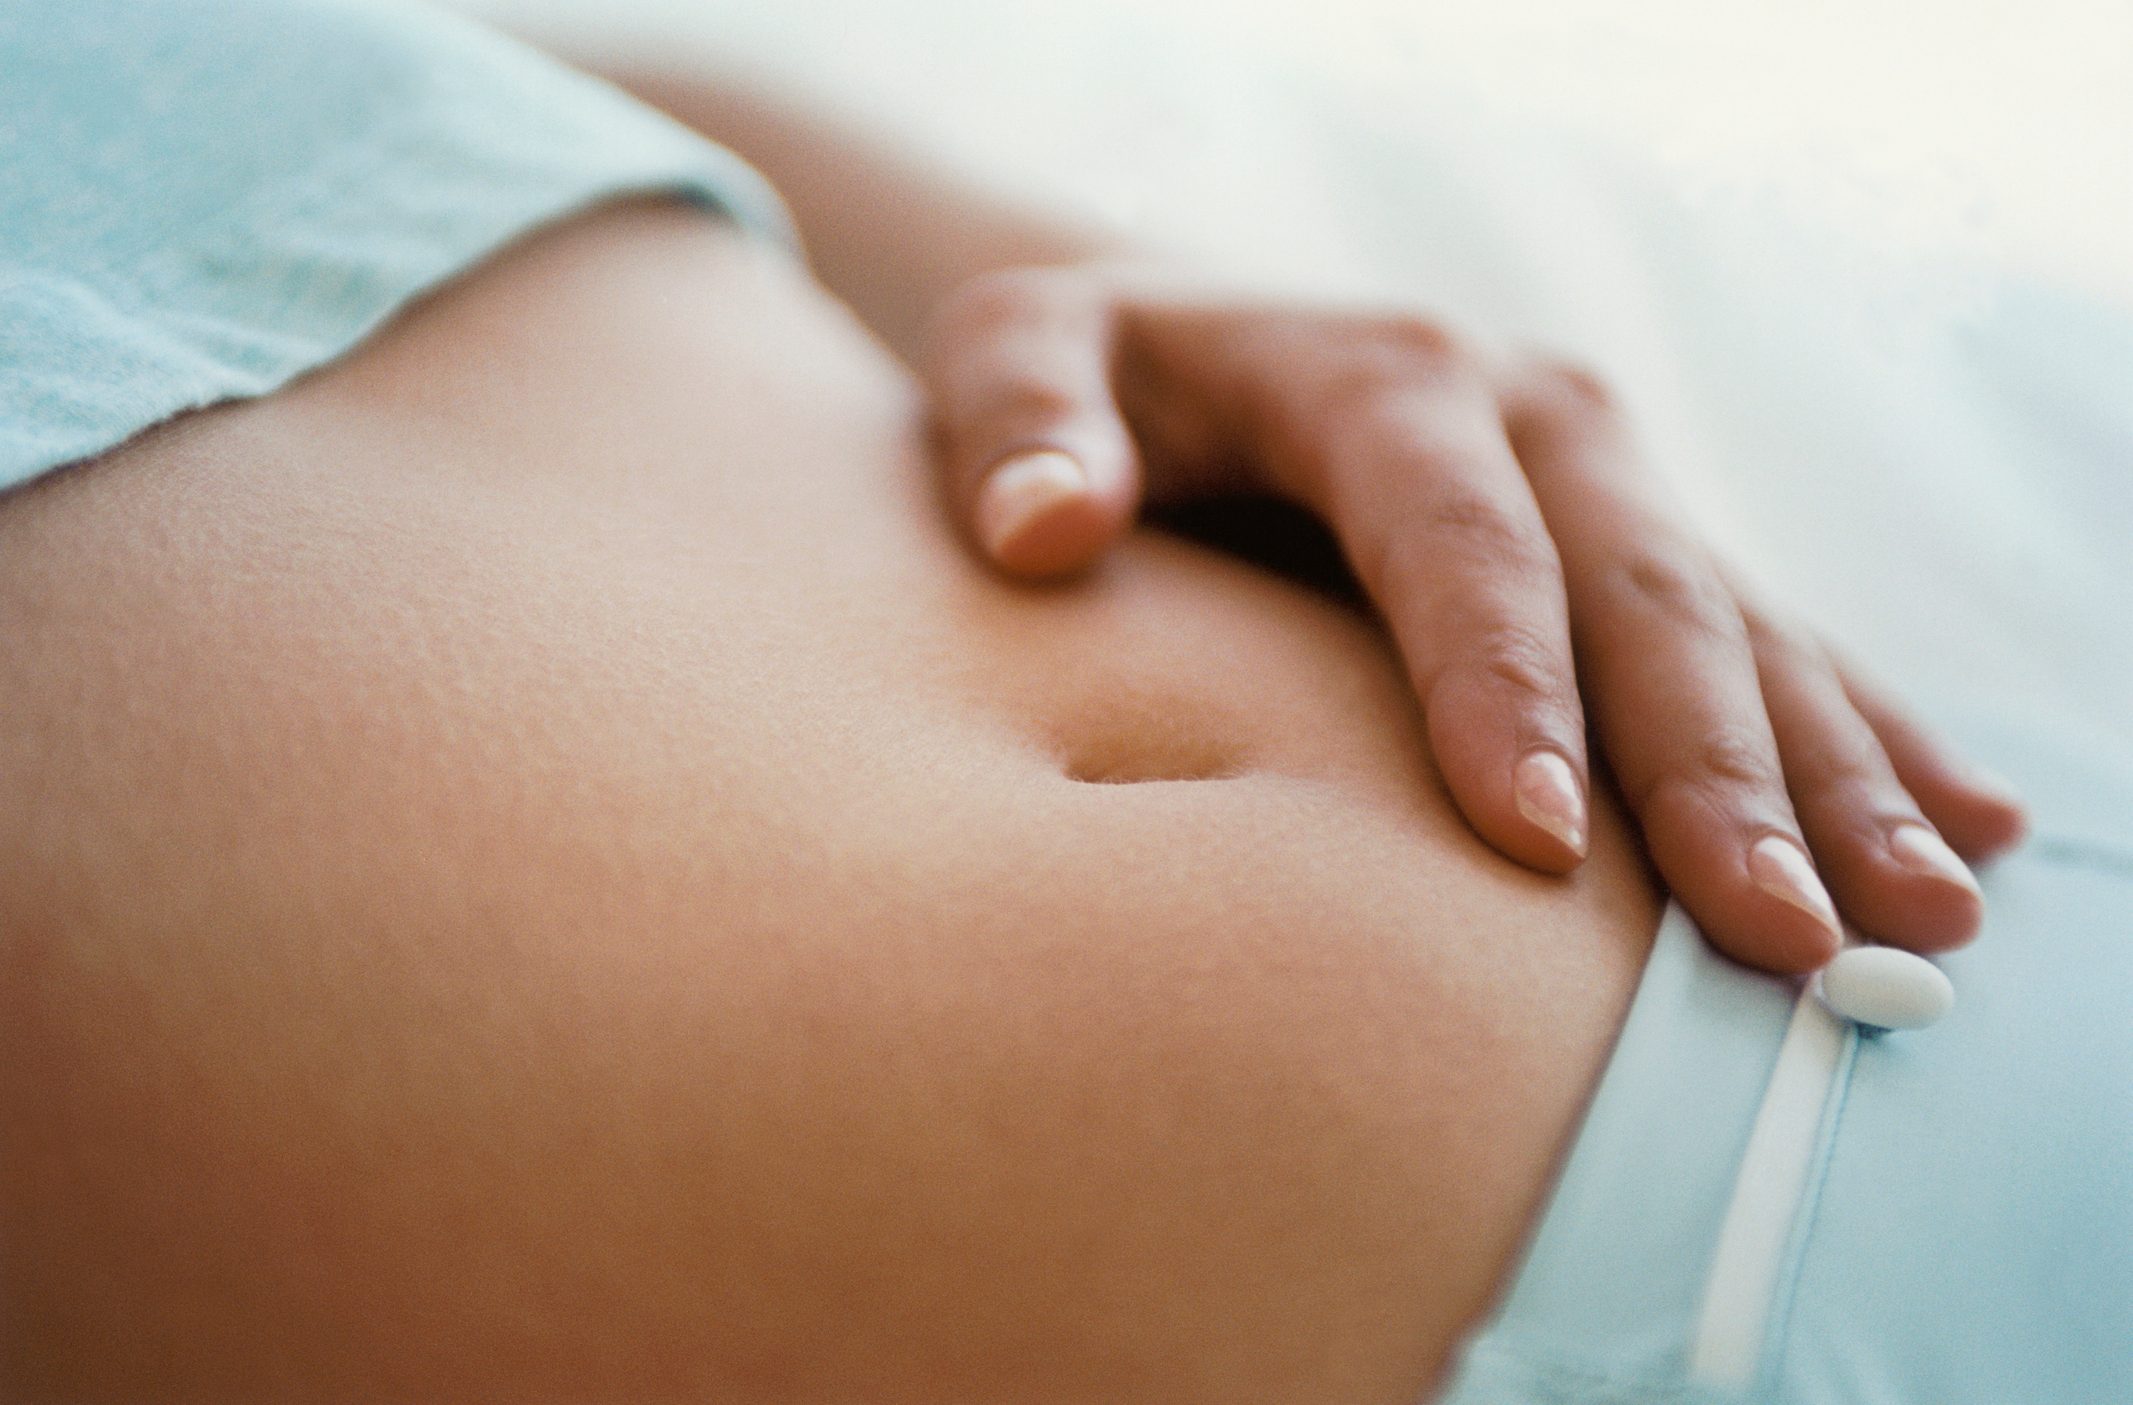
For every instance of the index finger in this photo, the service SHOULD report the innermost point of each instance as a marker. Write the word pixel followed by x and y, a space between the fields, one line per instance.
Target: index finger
pixel 1674 684
pixel 1402 451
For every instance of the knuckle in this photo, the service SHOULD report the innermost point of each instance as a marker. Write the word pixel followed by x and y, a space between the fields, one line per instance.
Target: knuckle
pixel 1359 383
pixel 1515 657
pixel 1550 388
pixel 1473 525
pixel 1463 546
pixel 1557 402
pixel 1849 792
pixel 1387 358
pixel 1677 588
pixel 1729 758
pixel 1725 770
pixel 1580 390
pixel 1419 341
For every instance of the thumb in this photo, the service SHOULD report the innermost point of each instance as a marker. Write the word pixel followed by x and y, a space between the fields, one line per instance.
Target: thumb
pixel 1041 468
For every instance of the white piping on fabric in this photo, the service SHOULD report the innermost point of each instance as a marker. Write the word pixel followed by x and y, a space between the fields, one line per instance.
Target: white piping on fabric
pixel 1740 1292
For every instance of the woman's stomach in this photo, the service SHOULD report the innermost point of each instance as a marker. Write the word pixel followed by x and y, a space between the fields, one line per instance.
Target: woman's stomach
pixel 535 862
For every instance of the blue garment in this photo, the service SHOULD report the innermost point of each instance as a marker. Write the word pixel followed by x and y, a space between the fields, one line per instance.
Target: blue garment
pixel 1965 1235
pixel 200 199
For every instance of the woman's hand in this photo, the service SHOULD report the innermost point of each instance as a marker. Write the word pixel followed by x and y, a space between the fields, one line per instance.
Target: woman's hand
pixel 1496 510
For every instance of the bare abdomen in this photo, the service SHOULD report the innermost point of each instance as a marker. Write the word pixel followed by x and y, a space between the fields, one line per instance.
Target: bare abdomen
pixel 535 866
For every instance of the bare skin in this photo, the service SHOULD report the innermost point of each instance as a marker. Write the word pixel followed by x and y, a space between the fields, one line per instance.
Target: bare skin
pixel 1537 577
pixel 538 865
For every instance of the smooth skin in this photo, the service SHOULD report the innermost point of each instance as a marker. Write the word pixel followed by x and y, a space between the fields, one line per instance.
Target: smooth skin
pixel 1540 581
pixel 538 867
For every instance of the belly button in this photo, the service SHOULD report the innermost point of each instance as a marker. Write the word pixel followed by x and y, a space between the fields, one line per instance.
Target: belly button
pixel 1142 759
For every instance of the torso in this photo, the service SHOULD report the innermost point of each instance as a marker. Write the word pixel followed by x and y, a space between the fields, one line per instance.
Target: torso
pixel 535 862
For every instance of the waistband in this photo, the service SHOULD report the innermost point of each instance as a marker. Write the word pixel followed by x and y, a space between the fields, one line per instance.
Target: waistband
pixel 1607 1304
pixel 1765 1204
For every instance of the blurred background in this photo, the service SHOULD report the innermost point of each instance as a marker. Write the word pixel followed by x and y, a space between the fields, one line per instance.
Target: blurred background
pixel 1864 270
pixel 1967 129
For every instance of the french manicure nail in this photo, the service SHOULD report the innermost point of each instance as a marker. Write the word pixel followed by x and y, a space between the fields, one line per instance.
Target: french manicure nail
pixel 1922 851
pixel 1781 869
pixel 1548 795
pixel 1023 488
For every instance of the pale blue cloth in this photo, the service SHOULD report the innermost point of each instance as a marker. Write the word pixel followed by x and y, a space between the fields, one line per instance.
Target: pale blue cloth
pixel 200 199
pixel 1968 1234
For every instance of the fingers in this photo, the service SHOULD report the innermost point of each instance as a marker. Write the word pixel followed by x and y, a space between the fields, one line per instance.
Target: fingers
pixel 1411 467
pixel 1041 469
pixel 1497 519
pixel 1892 873
pixel 1674 687
pixel 1977 812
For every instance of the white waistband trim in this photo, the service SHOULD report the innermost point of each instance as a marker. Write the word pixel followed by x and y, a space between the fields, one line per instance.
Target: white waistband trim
pixel 1740 1293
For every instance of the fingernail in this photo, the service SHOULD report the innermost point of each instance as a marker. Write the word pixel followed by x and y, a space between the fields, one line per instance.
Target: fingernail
pixel 1023 488
pixel 1781 869
pixel 1548 795
pixel 1920 850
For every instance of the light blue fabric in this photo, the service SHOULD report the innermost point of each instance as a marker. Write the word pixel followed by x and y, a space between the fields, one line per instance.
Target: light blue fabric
pixel 200 199
pixel 1968 1235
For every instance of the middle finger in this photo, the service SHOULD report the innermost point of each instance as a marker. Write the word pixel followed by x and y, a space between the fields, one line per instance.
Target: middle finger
pixel 1673 685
